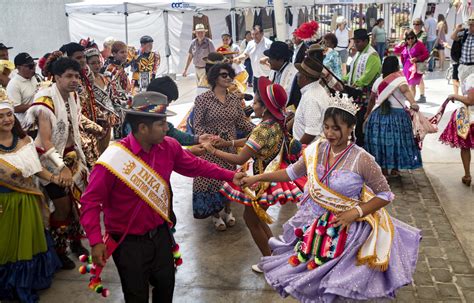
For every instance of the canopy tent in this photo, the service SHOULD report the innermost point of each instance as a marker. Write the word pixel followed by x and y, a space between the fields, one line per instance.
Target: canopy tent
pixel 170 23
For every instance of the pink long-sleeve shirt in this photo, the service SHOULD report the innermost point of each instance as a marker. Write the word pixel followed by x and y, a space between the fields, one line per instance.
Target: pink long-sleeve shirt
pixel 107 193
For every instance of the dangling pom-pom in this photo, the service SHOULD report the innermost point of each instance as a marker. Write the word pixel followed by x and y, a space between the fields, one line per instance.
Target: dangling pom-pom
pixel 177 255
pixel 89 267
pixel 99 288
pixel 301 257
pixel 298 232
pixel 320 230
pixel 82 270
pixel 175 248
pixel 178 262
pixel 318 261
pixel 105 292
pixel 293 260
pixel 307 30
pixel 89 259
pixel 311 265
pixel 83 258
pixel 331 232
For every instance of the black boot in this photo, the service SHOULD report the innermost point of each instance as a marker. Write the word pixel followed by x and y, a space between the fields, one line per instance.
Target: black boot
pixel 78 249
pixel 68 264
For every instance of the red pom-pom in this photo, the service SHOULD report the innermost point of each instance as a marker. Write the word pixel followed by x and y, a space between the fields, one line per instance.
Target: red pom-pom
pixel 293 260
pixel 307 30
pixel 311 265
pixel 175 248
pixel 105 292
pixel 83 258
pixel 82 270
pixel 298 232
pixel 178 262
pixel 92 271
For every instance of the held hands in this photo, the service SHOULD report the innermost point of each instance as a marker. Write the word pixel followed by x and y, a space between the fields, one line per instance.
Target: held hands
pixel 415 107
pixel 197 150
pixel 238 177
pixel 99 254
pixel 345 218
pixel 65 177
pixel 249 181
pixel 452 98
pixel 208 138
pixel 209 147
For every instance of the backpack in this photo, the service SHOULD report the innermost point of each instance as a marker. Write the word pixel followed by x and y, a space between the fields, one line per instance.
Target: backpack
pixel 456 48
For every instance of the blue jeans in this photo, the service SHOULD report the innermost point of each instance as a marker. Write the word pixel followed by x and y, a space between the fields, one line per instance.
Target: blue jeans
pixel 429 46
pixel 380 48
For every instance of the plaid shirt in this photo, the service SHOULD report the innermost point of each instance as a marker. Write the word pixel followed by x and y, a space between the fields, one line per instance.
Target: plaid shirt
pixel 467 52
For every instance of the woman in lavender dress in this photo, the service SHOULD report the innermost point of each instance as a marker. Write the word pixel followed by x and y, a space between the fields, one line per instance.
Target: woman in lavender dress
pixel 353 262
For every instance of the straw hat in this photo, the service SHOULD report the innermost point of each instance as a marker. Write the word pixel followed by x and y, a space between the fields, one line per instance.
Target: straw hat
pixel 200 28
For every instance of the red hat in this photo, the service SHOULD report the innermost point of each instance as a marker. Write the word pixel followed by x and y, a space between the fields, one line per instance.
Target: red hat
pixel 273 96
pixel 306 30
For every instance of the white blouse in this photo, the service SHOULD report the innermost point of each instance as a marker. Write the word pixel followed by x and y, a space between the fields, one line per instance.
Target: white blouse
pixel 25 159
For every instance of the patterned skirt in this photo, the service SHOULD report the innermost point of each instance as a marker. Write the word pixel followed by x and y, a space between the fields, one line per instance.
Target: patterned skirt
pixel 28 260
pixel 389 138
pixel 451 138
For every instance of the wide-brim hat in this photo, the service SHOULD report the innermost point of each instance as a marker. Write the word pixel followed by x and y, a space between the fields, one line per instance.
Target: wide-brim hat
pixel 361 34
pixel 215 58
pixel 310 68
pixel 279 50
pixel 3 46
pixel 341 19
pixel 316 52
pixel 274 97
pixel 200 28
pixel 150 104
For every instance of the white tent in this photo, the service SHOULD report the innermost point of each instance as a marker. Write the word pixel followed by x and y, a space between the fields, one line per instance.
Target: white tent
pixel 169 23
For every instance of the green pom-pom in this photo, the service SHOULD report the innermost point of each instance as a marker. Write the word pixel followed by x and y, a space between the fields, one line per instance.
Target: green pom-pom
pixel 98 289
pixel 177 255
pixel 89 259
pixel 301 257
pixel 318 261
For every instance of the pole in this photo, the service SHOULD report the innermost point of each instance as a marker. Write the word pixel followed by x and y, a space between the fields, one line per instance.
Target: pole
pixel 125 6
pixel 279 10
pixel 167 42
pixel 233 21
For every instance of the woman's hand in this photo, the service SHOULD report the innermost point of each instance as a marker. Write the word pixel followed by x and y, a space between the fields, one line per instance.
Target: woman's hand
pixel 249 181
pixel 415 107
pixel 209 147
pixel 65 177
pixel 452 98
pixel 413 60
pixel 345 218
pixel 197 150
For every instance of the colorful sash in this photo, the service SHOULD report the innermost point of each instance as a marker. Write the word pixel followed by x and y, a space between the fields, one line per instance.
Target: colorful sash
pixel 12 178
pixel 388 85
pixel 463 121
pixel 139 177
pixel 375 252
pixel 360 64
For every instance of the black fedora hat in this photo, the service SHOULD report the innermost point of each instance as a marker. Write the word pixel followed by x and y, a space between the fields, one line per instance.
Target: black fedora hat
pixel 278 50
pixel 361 34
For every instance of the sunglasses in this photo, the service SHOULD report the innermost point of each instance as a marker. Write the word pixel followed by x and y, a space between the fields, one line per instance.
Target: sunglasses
pixel 410 38
pixel 415 24
pixel 224 75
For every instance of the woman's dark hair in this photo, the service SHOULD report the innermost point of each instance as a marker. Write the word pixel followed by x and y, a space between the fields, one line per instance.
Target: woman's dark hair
pixel 411 33
pixel 332 39
pixel 258 98
pixel 378 21
pixel 214 72
pixel 17 129
pixel 390 65
pixel 247 32
pixel 339 115
pixel 228 35
pixel 442 19
pixel 61 65
pixel 136 120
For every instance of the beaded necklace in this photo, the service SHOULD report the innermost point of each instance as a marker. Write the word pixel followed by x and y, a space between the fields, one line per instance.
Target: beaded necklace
pixel 7 149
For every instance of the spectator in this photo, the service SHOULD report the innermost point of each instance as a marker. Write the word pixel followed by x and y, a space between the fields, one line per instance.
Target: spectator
pixel 331 58
pixel 199 49
pixel 379 37
pixel 442 30
pixel 430 26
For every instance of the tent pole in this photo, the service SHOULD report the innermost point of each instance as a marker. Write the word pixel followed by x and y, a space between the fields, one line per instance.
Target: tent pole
pixel 125 6
pixel 167 42
pixel 233 22
pixel 279 10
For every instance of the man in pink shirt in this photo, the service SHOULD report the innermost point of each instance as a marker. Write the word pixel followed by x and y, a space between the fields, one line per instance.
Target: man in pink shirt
pixel 145 255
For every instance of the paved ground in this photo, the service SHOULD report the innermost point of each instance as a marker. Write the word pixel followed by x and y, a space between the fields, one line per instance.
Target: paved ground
pixel 217 264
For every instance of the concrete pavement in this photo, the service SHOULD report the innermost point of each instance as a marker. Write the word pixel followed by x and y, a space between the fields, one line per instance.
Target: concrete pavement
pixel 217 264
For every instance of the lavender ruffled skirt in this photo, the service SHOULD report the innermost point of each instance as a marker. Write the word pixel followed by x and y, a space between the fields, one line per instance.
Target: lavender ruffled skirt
pixel 340 278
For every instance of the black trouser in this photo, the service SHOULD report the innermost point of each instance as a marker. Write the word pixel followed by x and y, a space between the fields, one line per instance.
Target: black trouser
pixel 255 85
pixel 359 131
pixel 144 260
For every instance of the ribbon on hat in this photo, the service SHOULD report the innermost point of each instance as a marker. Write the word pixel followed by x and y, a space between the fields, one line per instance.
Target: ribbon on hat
pixel 271 95
pixel 151 108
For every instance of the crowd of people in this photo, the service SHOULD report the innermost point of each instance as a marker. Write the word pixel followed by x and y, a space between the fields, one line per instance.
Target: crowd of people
pixel 88 135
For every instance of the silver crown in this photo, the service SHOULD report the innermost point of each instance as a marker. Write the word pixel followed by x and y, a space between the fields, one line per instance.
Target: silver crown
pixel 345 103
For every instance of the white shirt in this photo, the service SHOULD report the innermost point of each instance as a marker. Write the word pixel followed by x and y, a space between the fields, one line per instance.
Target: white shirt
pixel 310 112
pixel 430 26
pixel 22 91
pixel 255 53
pixel 342 38
pixel 285 77
pixel 397 94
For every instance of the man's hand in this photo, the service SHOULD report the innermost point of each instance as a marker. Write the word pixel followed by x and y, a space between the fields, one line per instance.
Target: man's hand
pixel 415 107
pixel 206 138
pixel 238 178
pixel 197 150
pixel 65 177
pixel 209 147
pixel 99 254
pixel 219 143
pixel 345 218
pixel 459 27
pixel 185 73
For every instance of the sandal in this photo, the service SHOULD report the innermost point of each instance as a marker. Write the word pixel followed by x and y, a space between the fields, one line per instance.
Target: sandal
pixel 466 180
pixel 219 223
pixel 229 218
pixel 257 269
